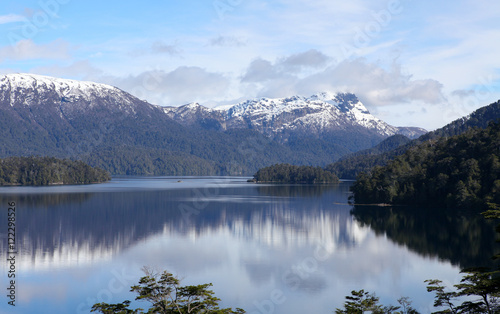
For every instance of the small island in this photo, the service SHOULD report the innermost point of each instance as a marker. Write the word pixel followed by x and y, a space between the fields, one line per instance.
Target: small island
pixel 37 171
pixel 286 173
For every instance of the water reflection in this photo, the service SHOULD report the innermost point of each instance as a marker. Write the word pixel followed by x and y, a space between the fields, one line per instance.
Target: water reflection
pixel 465 238
pixel 72 228
pixel 247 239
pixel 310 190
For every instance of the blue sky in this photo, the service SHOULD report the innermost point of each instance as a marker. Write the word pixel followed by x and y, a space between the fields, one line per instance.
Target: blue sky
pixel 419 63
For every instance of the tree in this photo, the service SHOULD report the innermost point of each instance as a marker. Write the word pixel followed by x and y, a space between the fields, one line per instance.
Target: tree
pixel 167 296
pixel 442 298
pixel 361 301
pixel 406 307
pixel 481 283
pixel 119 308
pixel 477 282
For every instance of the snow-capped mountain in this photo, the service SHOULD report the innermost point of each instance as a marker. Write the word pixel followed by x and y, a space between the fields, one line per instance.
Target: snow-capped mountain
pixel 321 113
pixel 63 95
pixel 51 116
pixel 110 128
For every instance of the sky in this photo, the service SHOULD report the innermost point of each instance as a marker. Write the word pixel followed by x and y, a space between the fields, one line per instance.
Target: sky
pixel 412 63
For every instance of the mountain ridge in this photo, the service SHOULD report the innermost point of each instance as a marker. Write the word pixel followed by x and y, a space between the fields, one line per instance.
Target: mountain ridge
pixel 110 128
pixel 323 112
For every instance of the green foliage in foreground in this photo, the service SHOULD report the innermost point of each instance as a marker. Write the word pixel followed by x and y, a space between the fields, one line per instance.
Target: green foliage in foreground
pixel 167 296
pixel 47 171
pixel 360 302
pixel 461 171
pixel 286 173
pixel 479 283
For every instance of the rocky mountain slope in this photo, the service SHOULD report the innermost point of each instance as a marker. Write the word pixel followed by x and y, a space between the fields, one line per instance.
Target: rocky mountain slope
pixel 316 115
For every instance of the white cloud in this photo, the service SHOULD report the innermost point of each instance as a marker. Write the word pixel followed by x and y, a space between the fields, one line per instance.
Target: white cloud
pixel 180 86
pixel 260 70
pixel 82 69
pixel 309 59
pixel 227 41
pixel 26 49
pixel 378 86
pixel 11 18
pixel 161 48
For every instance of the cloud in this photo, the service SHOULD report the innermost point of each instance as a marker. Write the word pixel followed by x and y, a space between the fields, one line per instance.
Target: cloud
pixel 183 85
pixel 463 93
pixel 82 69
pixel 376 85
pixel 260 70
pixel 11 18
pixel 160 48
pixel 226 41
pixel 180 86
pixel 156 48
pixel 309 59
pixel 26 49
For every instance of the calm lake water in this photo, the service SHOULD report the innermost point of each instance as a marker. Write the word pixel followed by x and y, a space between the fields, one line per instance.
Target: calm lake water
pixel 265 248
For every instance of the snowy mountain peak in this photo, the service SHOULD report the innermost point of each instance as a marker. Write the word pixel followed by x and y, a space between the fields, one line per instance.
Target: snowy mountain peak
pixel 320 113
pixel 324 96
pixel 62 86
pixel 325 100
pixel 32 89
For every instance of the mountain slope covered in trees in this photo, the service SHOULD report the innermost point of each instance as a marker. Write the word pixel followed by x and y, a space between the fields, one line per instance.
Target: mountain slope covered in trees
pixel 460 171
pixel 350 166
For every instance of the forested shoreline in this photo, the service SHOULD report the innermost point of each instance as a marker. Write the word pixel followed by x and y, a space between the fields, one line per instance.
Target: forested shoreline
pixel 286 173
pixel 37 171
pixel 460 171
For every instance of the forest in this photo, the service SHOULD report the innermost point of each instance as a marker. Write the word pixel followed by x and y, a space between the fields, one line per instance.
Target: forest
pixel 350 166
pixel 461 171
pixel 48 171
pixel 286 173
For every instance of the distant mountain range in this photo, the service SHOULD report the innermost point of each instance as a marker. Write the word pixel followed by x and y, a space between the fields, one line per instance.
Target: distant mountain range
pixel 279 118
pixel 110 128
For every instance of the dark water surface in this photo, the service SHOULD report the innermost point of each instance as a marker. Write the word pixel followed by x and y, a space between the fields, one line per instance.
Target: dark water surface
pixel 265 248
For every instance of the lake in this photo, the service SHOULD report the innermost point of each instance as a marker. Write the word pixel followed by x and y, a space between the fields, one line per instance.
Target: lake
pixel 265 248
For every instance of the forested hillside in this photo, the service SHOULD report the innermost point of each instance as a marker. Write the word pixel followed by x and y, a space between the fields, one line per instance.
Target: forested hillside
pixel 460 171
pixel 47 171
pixel 350 167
